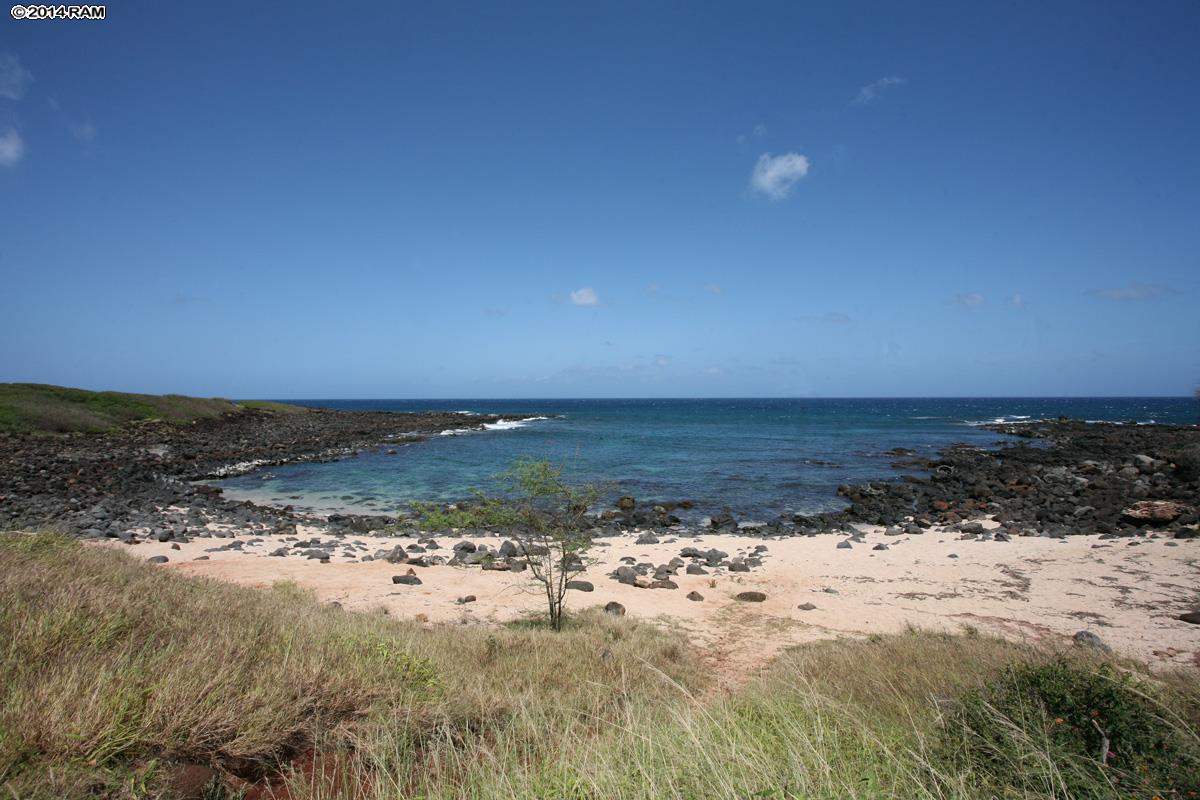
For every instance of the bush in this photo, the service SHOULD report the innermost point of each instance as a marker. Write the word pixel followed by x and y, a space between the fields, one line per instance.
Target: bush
pixel 1073 729
pixel 1187 463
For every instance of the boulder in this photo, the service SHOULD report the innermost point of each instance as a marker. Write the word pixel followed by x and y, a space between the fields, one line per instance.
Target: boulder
pixel 695 596
pixel 1089 639
pixel 723 521
pixel 750 597
pixel 614 608
pixel 408 579
pixel 626 574
pixel 1150 512
pixel 581 586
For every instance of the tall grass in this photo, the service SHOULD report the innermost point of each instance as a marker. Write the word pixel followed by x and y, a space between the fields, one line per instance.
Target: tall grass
pixel 114 669
pixel 108 663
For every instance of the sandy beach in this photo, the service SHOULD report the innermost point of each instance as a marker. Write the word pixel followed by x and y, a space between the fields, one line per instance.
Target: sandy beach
pixel 1127 591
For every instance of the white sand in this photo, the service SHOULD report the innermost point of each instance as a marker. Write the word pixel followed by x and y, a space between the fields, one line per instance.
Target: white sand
pixel 1128 591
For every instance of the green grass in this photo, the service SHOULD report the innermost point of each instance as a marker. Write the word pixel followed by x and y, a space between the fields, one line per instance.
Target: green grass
pixel 40 408
pixel 113 670
pixel 272 406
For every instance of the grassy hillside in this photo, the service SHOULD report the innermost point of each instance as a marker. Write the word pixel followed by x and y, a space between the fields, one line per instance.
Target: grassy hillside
pixel 32 407
pixel 117 673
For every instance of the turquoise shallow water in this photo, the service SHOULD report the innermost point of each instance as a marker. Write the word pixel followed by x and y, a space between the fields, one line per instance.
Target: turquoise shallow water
pixel 759 457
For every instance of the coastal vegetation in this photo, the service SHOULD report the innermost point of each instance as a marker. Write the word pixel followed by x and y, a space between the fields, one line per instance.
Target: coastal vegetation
pixel 545 514
pixel 41 408
pixel 553 534
pixel 125 680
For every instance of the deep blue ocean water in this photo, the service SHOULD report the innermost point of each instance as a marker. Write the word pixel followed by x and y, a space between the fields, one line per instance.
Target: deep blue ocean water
pixel 759 457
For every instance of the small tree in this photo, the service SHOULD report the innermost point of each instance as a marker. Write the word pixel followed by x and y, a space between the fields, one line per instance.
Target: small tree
pixel 552 535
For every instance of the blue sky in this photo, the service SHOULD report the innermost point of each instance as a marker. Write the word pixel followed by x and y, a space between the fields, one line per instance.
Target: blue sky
pixel 438 200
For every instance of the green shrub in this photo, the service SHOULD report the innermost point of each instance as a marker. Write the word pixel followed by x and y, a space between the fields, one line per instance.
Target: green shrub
pixel 485 512
pixel 1073 729
pixel 1187 462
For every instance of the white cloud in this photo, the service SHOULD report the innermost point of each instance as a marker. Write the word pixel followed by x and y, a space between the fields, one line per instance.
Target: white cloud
pixel 774 176
pixel 661 360
pixel 585 297
pixel 12 148
pixel 14 78
pixel 874 89
pixel 1016 301
pixel 713 288
pixel 1134 291
pixel 969 300
pixel 84 131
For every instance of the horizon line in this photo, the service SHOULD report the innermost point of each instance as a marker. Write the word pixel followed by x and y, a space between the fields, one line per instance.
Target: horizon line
pixel 746 397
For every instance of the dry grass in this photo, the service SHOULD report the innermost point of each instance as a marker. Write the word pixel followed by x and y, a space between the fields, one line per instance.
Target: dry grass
pixel 111 664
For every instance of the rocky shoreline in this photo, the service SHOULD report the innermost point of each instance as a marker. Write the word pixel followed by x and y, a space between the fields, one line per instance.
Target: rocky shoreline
pixel 142 477
pixel 1064 477
pixel 1057 478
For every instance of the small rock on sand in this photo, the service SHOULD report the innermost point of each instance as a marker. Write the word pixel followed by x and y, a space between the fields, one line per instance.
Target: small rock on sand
pixel 750 597
pixel 1089 639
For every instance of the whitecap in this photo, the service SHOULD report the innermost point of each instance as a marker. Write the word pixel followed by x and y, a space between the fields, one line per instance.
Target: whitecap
pixel 510 424
pixel 456 431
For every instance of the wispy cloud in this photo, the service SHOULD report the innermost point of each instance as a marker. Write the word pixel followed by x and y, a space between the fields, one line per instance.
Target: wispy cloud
pixel 84 132
pixel 185 298
pixel 873 90
pixel 1016 300
pixel 661 360
pixel 760 131
pixel 836 318
pixel 12 148
pixel 1134 291
pixel 969 299
pixel 14 78
pixel 585 297
pixel 495 311
pixel 714 288
pixel 828 318
pixel 774 176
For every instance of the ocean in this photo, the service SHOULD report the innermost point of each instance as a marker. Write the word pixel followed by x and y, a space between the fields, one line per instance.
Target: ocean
pixel 758 457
